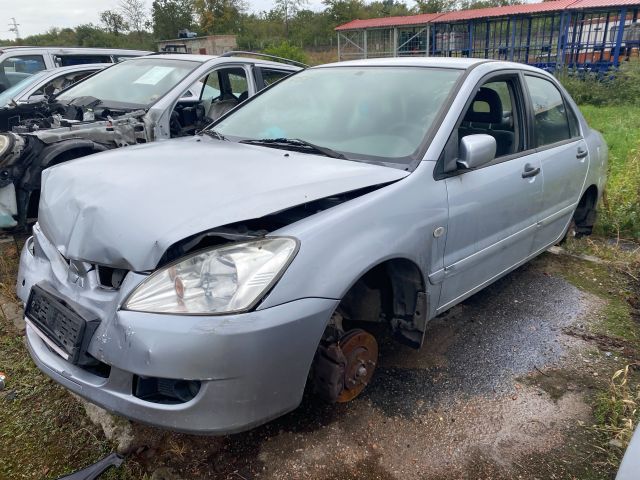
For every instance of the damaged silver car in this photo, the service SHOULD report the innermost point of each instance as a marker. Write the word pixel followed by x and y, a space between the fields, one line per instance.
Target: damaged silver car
pixel 201 284
pixel 134 102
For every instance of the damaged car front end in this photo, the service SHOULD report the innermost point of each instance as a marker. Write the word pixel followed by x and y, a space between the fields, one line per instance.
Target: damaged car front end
pixel 134 102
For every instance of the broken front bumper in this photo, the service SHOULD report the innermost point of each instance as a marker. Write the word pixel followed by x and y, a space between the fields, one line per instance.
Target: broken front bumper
pixel 251 367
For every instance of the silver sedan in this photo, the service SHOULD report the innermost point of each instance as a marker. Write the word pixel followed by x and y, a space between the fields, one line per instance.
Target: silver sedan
pixel 201 284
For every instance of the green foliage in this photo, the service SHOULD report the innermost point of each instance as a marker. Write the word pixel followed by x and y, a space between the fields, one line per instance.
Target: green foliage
pixel 286 50
pixel 219 16
pixel 434 6
pixel 170 16
pixel 621 87
pixel 113 22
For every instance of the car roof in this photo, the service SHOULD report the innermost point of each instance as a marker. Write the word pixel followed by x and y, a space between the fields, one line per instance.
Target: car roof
pixel 74 50
pixel 435 62
pixel 207 58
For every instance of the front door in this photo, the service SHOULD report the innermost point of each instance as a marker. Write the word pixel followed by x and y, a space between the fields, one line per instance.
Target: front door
pixel 494 209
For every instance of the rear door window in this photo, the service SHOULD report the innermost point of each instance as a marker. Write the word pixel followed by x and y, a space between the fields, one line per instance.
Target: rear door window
pixel 270 76
pixel 67 60
pixel 15 69
pixel 551 122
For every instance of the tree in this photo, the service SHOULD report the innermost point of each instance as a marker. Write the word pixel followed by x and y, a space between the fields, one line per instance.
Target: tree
pixel 113 22
pixel 289 9
pixel 134 13
pixel 343 11
pixel 219 16
pixel 170 16
pixel 434 6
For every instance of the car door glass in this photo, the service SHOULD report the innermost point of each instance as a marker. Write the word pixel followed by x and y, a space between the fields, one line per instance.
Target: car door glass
pixel 60 83
pixel 551 123
pixel 238 83
pixel 68 60
pixel 492 113
pixel 269 77
pixel 15 69
pixel 211 89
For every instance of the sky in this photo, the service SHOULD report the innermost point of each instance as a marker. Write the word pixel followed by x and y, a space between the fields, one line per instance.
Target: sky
pixel 38 16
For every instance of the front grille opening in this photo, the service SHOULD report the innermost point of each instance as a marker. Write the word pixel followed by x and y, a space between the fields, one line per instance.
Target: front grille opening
pixel 165 390
pixel 111 278
pixel 96 367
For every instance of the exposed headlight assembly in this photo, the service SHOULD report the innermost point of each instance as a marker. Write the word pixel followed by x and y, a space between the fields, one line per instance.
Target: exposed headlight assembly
pixel 6 142
pixel 226 279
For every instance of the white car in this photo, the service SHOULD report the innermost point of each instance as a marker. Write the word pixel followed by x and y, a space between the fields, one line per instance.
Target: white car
pixel 45 84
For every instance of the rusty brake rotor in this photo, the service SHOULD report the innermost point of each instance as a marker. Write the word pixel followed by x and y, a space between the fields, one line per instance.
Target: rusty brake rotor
pixel 360 350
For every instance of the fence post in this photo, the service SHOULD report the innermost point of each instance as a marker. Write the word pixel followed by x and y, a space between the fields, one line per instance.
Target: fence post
pixel 339 53
pixel 427 52
pixel 622 19
pixel 512 40
pixel 395 41
pixel 365 43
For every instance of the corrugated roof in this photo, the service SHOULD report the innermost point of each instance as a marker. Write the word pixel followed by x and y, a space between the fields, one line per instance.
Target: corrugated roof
pixel 526 8
pixel 421 19
pixel 584 4
pixel 462 15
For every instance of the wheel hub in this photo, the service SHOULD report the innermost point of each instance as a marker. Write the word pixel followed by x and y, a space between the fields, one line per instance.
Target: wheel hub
pixel 360 351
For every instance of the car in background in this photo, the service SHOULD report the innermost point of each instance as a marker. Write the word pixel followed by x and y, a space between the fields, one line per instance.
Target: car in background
pixel 16 63
pixel 200 284
pixel 38 86
pixel 137 101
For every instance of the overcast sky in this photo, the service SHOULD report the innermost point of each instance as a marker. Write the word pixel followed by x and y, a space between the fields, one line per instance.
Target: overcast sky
pixel 38 16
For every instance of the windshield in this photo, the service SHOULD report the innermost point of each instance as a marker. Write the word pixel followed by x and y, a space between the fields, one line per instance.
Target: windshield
pixel 365 113
pixel 12 93
pixel 134 83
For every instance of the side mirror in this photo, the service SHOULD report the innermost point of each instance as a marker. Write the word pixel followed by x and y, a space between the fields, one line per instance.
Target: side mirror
pixel 476 150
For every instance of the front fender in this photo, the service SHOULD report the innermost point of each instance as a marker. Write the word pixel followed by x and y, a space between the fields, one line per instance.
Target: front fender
pixel 339 245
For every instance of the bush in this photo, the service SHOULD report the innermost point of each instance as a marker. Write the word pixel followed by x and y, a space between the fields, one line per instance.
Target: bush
pixel 618 87
pixel 288 51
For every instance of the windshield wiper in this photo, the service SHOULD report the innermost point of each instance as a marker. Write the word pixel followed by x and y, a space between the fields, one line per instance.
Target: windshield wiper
pixel 212 133
pixel 295 144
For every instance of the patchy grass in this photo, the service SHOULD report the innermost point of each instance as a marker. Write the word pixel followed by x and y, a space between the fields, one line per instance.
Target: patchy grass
pixel 613 278
pixel 617 412
pixel 44 432
pixel 619 214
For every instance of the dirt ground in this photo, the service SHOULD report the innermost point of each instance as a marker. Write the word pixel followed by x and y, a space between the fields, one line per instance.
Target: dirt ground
pixel 503 388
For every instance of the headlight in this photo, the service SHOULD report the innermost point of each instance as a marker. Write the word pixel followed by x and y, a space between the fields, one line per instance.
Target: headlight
pixel 225 279
pixel 5 143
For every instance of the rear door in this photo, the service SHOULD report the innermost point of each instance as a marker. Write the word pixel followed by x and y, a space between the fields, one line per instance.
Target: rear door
pixel 562 153
pixel 494 209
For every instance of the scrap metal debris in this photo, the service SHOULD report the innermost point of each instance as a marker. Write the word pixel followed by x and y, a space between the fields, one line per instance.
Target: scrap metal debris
pixel 97 469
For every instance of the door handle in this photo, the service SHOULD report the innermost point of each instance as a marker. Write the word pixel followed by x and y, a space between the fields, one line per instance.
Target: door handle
pixel 530 171
pixel 582 152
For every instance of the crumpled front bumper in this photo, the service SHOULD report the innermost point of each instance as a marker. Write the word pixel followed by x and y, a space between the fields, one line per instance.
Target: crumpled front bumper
pixel 252 367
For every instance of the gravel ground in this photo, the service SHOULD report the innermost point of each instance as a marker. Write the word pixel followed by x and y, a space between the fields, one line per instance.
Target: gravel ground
pixel 497 391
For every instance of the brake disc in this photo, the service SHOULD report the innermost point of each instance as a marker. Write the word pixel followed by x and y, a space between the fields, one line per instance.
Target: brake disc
pixel 360 351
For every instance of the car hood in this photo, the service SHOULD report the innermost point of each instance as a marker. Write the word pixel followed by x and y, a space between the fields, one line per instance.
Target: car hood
pixel 124 208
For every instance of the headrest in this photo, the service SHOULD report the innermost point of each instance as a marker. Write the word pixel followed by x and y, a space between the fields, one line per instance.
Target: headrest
pixel 485 108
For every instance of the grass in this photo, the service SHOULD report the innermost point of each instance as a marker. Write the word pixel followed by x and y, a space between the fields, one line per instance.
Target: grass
pixel 44 432
pixel 619 214
pixel 617 412
pixel 615 327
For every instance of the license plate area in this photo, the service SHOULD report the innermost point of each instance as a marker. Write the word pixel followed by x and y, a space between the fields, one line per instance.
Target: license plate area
pixel 63 323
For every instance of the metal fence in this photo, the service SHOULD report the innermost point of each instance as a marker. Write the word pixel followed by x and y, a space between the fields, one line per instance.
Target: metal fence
pixel 595 40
